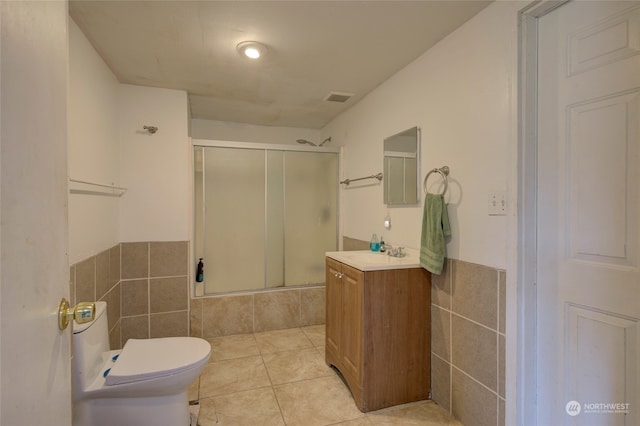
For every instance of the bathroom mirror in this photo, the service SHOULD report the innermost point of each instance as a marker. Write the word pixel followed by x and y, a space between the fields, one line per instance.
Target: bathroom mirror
pixel 401 174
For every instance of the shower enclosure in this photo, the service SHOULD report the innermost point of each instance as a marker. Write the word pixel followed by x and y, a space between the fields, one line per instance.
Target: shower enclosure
pixel 264 214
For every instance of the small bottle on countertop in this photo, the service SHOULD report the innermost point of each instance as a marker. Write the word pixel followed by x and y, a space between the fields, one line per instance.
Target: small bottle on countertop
pixel 374 245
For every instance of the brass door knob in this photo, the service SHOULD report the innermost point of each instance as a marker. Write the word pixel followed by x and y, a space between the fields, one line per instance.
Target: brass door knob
pixel 83 312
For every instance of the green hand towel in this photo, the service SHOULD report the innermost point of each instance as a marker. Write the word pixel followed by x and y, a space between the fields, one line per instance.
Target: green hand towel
pixel 435 226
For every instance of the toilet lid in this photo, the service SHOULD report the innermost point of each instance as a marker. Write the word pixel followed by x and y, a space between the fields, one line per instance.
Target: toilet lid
pixel 143 359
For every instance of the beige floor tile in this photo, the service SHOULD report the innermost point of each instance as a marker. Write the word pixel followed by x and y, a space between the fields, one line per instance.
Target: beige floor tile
pixel 425 413
pixel 321 401
pixel 235 346
pixel 207 413
pixel 252 407
pixel 282 340
pixel 296 365
pixel 233 375
pixel 241 387
pixel 315 333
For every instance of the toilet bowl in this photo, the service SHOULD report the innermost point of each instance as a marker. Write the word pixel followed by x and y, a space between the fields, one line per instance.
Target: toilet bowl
pixel 143 384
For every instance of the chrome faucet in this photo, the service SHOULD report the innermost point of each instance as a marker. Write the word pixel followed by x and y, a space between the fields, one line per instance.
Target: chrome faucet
pixel 394 252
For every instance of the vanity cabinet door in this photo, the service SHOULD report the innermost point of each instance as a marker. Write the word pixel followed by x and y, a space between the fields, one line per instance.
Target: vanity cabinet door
pixel 344 287
pixel 352 295
pixel 333 308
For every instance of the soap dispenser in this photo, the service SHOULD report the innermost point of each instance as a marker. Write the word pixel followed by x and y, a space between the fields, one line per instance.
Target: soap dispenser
pixel 374 245
pixel 200 271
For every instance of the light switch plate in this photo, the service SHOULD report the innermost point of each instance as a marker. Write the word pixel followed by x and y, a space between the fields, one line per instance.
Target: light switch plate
pixel 497 203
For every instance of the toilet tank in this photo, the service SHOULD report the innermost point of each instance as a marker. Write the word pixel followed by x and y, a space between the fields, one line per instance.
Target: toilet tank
pixel 90 344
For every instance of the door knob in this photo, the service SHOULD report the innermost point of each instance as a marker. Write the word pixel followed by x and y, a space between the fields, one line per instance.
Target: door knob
pixel 83 312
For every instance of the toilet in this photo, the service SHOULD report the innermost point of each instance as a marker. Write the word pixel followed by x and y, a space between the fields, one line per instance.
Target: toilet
pixel 143 384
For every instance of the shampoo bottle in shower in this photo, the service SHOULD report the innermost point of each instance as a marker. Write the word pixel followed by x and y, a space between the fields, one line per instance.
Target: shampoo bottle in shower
pixel 374 245
pixel 200 271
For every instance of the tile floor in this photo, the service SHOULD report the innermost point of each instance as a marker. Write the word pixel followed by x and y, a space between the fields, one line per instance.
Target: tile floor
pixel 280 378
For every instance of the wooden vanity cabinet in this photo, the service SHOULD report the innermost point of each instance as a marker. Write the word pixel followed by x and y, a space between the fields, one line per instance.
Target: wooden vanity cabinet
pixel 378 333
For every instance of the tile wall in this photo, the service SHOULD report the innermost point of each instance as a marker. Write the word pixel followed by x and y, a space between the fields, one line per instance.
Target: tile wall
pixel 351 244
pixel 260 311
pixel 468 342
pixel 98 278
pixel 145 285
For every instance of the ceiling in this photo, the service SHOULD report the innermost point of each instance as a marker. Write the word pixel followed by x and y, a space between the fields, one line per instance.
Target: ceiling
pixel 314 48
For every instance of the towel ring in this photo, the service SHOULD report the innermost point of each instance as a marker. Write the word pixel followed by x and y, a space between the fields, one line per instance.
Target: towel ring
pixel 444 172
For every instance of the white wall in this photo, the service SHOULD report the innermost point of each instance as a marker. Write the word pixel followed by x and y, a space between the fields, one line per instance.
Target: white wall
pixel 93 147
pixel 107 144
pixel 461 93
pixel 240 132
pixel 156 168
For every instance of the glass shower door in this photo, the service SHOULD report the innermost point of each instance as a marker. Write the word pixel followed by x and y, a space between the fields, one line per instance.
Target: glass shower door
pixel 263 217
pixel 310 215
pixel 234 225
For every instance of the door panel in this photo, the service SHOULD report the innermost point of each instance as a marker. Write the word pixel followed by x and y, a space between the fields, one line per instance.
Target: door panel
pixel 35 367
pixel 601 177
pixel 588 213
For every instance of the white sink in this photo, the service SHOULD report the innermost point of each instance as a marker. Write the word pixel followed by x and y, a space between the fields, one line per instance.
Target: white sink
pixel 366 260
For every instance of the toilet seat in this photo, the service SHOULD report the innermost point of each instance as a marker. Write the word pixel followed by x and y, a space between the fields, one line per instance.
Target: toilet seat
pixel 144 359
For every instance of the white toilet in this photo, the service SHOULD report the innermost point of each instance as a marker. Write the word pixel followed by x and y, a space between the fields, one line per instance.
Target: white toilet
pixel 143 384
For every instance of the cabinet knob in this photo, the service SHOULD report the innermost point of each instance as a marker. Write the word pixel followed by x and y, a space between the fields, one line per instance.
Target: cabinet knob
pixel 338 274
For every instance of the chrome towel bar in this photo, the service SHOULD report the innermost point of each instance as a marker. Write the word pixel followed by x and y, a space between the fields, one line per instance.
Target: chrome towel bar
pixel 348 181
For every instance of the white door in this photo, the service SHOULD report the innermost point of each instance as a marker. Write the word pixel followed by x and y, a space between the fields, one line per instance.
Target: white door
pixel 588 303
pixel 34 270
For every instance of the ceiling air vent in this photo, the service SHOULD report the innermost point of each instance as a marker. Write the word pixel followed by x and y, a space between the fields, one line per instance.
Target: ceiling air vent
pixel 338 97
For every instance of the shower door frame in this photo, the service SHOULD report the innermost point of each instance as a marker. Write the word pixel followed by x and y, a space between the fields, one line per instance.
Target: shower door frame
pixel 265 147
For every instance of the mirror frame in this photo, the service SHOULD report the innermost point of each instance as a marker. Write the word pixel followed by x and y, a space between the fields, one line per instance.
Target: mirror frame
pixel 386 167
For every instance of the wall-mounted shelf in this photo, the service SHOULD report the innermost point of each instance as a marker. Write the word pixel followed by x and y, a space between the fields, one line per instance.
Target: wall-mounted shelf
pixel 91 188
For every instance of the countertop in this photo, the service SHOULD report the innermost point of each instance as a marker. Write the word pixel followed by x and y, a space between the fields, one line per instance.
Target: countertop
pixel 366 260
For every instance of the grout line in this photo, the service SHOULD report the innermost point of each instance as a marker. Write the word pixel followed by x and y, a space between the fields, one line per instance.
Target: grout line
pixel 475 322
pixel 476 380
pixel 155 278
pixel 440 358
pixel 149 289
pixel 299 308
pixel 253 313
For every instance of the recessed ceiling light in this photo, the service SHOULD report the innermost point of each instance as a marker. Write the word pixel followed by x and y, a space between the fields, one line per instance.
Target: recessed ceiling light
pixel 251 49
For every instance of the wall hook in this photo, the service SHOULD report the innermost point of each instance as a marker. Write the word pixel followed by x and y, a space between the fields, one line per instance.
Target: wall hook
pixel 150 129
